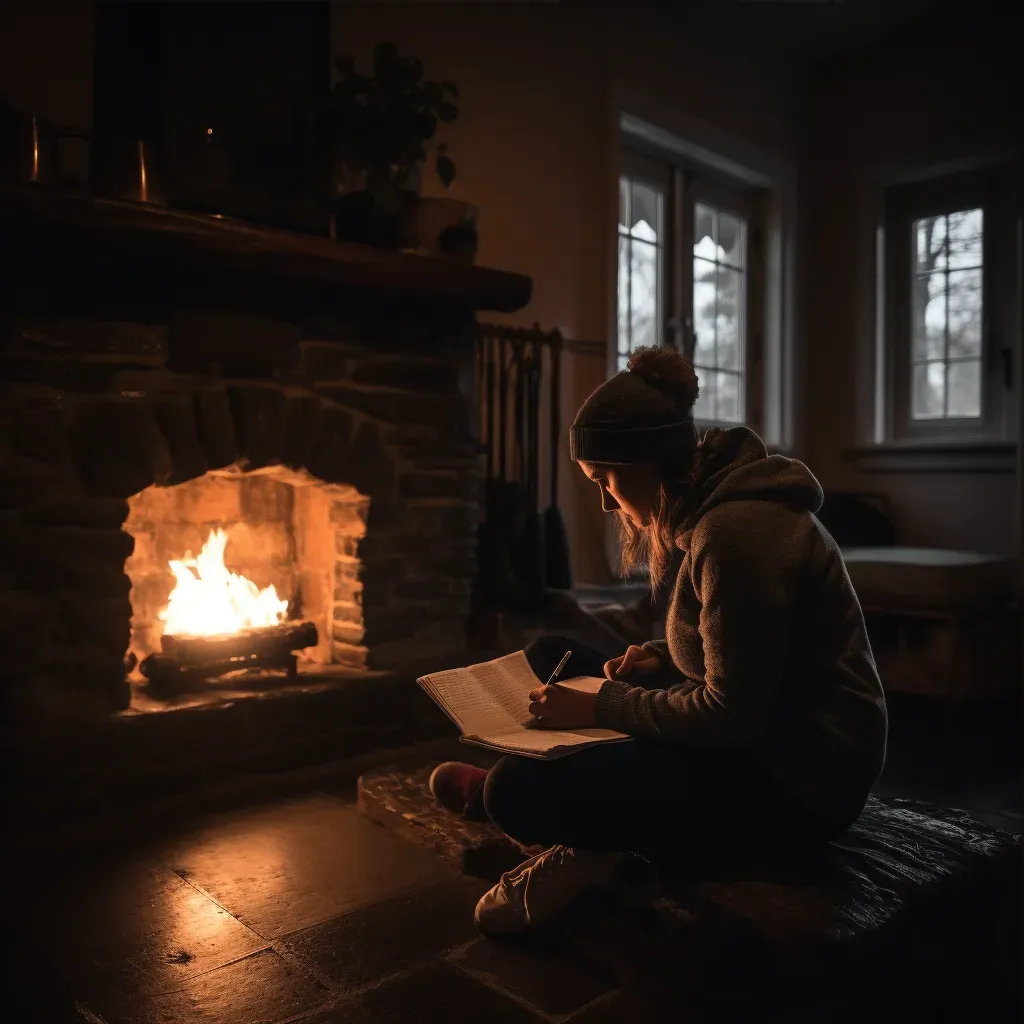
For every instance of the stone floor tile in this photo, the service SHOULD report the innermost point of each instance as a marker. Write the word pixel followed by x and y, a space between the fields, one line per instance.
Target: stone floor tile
pixel 261 988
pixel 390 936
pixel 293 865
pixel 542 970
pixel 135 926
pixel 436 994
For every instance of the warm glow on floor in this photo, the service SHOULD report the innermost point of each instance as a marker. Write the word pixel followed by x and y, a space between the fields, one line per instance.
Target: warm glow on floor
pixel 209 600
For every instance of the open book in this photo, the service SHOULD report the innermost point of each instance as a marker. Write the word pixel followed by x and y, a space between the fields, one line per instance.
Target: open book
pixel 490 703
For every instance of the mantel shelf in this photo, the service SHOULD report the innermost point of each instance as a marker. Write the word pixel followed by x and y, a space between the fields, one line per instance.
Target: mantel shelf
pixel 203 240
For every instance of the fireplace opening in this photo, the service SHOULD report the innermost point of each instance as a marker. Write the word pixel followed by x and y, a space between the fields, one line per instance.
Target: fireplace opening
pixel 242 572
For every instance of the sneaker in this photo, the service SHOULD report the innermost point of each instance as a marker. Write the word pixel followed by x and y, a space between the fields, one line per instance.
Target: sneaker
pixel 457 786
pixel 535 893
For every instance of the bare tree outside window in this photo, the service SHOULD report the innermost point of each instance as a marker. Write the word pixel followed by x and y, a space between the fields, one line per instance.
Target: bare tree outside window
pixel 641 266
pixel 719 324
pixel 946 316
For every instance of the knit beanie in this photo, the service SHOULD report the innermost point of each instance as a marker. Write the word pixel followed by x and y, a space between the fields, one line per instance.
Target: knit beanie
pixel 639 413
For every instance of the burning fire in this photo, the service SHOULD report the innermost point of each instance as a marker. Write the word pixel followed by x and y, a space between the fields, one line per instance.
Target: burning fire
pixel 208 600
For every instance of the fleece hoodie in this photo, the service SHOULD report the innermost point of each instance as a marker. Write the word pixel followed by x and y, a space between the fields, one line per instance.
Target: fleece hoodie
pixel 765 647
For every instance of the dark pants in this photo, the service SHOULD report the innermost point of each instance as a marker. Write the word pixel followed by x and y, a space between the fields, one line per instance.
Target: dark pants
pixel 641 796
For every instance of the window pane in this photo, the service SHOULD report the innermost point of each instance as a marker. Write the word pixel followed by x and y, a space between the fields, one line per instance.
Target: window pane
pixel 964 313
pixel 643 294
pixel 929 317
pixel 623 302
pixel 645 213
pixel 946 316
pixel 930 233
pixel 728 398
pixel 929 391
pixel 704 232
pixel 704 312
pixel 732 240
pixel 624 204
pixel 965 231
pixel 704 407
pixel 728 322
pixel 965 388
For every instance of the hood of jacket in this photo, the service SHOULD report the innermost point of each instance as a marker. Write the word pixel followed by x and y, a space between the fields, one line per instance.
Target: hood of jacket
pixel 734 465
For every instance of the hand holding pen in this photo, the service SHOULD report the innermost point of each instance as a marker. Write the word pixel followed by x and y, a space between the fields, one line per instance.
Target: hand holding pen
pixel 558 669
pixel 561 707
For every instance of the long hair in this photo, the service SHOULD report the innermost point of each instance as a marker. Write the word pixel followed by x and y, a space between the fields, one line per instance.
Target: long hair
pixel 651 547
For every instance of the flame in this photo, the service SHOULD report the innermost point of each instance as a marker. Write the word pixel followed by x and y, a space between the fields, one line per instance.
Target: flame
pixel 208 600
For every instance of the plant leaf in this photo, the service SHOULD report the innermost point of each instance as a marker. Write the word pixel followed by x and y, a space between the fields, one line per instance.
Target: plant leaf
pixel 447 112
pixel 432 94
pixel 450 87
pixel 427 126
pixel 445 170
pixel 384 57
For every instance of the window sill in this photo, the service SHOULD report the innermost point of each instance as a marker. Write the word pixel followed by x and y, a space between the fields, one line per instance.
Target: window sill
pixel 936 457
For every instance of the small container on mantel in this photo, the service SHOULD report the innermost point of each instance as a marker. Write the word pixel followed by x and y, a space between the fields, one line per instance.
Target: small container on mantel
pixel 28 146
pixel 128 169
pixel 442 226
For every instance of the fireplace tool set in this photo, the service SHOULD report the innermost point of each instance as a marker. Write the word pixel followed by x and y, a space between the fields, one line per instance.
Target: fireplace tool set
pixel 524 549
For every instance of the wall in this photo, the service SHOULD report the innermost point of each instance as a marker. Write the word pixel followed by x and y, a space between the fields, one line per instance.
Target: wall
pixel 536 146
pixel 536 142
pixel 942 100
pixel 46 64
pixel 46 58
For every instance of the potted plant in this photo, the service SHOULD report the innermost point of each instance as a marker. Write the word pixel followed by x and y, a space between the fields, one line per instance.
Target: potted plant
pixel 376 129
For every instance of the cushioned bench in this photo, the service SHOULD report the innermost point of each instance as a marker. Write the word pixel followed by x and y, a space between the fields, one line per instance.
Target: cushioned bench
pixel 942 623
pixel 928 577
pixel 911 909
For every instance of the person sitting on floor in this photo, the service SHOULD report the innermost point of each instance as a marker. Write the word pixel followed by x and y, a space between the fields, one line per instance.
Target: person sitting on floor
pixel 760 715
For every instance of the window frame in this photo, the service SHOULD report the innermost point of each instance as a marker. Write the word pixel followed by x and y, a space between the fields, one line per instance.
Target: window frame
pixel 649 171
pixel 902 205
pixel 683 187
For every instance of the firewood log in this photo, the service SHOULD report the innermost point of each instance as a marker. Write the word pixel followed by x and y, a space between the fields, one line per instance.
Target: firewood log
pixel 265 641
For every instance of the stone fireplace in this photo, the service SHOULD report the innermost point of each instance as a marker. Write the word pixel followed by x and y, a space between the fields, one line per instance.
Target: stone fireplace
pixel 282 529
pixel 313 401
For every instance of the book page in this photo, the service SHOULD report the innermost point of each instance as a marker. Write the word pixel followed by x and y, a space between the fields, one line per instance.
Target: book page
pixel 542 740
pixel 491 697
pixel 585 684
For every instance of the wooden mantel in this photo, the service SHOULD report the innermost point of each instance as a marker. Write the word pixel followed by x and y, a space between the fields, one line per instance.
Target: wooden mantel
pixel 33 217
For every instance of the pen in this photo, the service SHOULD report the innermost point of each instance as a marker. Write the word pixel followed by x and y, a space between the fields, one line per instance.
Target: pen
pixel 531 722
pixel 558 669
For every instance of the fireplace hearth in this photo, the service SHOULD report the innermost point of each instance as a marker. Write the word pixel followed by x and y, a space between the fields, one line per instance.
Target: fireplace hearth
pixel 310 403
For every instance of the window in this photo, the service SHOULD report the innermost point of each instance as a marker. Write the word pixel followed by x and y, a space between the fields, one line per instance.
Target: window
pixel 719 300
pixel 945 352
pixel 641 265
pixel 683 269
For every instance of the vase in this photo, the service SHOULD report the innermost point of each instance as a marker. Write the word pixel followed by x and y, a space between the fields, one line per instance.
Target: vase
pixel 377 212
pixel 442 226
